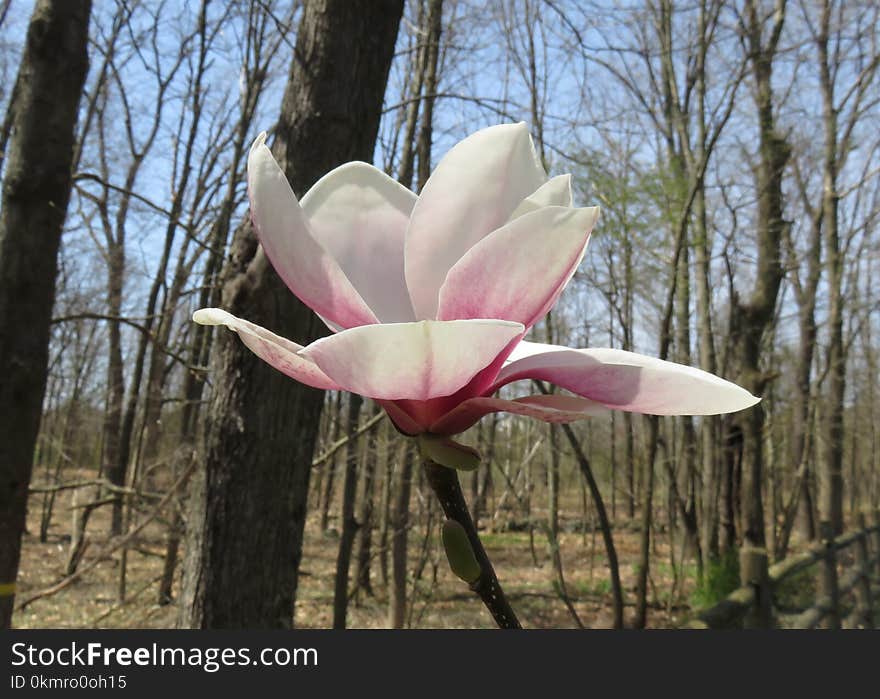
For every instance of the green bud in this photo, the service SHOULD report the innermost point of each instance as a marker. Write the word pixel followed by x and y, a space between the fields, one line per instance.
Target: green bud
pixel 459 552
pixel 446 452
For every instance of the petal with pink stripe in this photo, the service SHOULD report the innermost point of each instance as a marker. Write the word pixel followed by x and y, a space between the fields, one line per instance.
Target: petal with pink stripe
pixel 549 408
pixel 280 352
pixel 415 361
pixel 307 269
pixel 518 271
pixel 474 190
pixel 626 380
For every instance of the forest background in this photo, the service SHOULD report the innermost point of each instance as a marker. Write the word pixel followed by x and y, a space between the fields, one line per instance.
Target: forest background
pixel 733 148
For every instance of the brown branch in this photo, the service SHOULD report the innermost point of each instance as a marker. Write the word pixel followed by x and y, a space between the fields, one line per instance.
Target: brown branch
pixel 338 444
pixel 105 484
pixel 444 482
pixel 146 331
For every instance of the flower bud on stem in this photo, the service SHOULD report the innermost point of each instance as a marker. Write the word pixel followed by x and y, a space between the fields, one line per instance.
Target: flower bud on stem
pixel 460 553
pixel 444 482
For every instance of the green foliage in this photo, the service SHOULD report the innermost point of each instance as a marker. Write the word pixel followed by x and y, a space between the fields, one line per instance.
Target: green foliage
pixel 720 578
pixel 501 540
pixel 600 587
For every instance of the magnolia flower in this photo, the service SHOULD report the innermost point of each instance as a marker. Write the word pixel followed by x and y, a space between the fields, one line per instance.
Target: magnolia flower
pixel 429 297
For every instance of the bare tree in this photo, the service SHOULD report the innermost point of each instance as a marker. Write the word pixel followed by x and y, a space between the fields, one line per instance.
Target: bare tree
pixel 400 523
pixel 839 118
pixel 36 190
pixel 349 522
pixel 761 31
pixel 248 506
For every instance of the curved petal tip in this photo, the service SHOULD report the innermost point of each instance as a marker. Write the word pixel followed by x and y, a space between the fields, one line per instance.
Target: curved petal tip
pixel 258 141
pixel 627 381
pixel 212 316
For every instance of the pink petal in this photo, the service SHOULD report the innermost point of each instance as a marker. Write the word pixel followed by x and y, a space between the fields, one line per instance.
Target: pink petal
pixel 416 361
pixel 359 215
pixel 473 191
pixel 306 267
pixel 425 412
pixel 518 271
pixel 626 381
pixel 549 408
pixel 402 420
pixel 271 348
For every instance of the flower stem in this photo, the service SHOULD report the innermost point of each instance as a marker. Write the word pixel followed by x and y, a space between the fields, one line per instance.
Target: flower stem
pixel 444 482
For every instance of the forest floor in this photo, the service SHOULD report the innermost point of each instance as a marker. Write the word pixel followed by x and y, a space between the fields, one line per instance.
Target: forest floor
pixel 437 598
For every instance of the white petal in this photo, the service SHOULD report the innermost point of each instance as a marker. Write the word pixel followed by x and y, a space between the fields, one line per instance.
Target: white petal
pixel 273 349
pixel 519 271
pixel 626 380
pixel 554 192
pixel 473 191
pixel 359 215
pixel 418 361
pixel 304 265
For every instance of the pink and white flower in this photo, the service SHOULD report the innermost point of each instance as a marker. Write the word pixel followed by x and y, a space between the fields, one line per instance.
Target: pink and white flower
pixel 429 297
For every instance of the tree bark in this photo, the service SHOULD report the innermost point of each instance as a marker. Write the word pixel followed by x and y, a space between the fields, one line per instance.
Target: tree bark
pixel 112 466
pixel 36 190
pixel 702 272
pixel 249 501
pixel 331 467
pixel 431 56
pixel 640 619
pixel 688 453
pixel 831 491
pixel 802 441
pixel 365 515
pixel 349 522
pixel 731 464
pixel 416 71
pixel 399 536
pixel 604 523
pixel 754 316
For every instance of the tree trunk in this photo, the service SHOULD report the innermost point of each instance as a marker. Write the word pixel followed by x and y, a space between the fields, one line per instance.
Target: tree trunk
pixel 36 190
pixel 111 465
pixel 643 568
pixel 399 534
pixel 414 95
pixel 385 525
pixel 604 523
pixel 708 424
pixel 365 516
pixel 249 501
pixel 831 491
pixel 330 466
pixel 802 440
pixel 686 422
pixel 731 464
pixel 754 317
pixel 431 55
pixel 349 523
